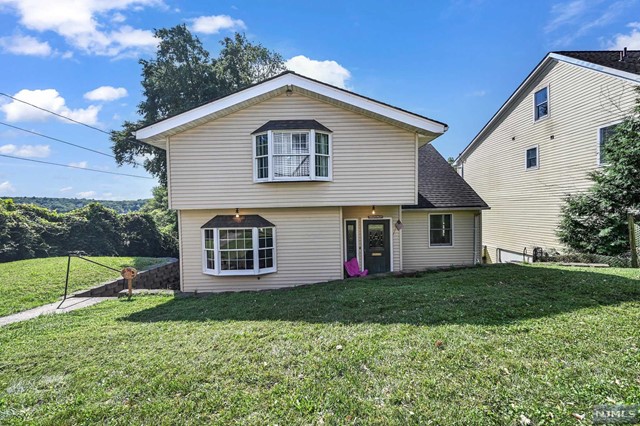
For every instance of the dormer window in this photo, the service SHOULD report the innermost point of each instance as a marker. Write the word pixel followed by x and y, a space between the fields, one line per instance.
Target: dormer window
pixel 292 150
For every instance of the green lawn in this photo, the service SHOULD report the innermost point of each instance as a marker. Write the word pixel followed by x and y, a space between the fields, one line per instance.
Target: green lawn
pixel 29 283
pixel 539 342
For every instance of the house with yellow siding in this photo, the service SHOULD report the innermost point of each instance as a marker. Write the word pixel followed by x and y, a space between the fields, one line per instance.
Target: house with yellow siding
pixel 279 184
pixel 541 145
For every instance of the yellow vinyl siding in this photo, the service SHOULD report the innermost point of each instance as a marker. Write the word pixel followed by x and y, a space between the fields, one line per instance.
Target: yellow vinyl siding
pixel 212 165
pixel 526 204
pixel 415 240
pixel 307 249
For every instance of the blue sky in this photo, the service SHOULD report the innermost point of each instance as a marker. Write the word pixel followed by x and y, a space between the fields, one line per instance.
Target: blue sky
pixel 453 61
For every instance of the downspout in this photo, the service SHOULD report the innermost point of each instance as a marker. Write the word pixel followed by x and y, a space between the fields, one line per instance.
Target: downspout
pixel 400 237
pixel 475 238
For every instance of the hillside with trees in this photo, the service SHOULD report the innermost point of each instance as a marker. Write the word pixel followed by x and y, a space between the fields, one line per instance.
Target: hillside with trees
pixel 64 205
pixel 28 231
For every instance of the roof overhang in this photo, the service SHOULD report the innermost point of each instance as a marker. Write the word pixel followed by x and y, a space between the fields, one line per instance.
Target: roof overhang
pixel 156 134
pixel 539 69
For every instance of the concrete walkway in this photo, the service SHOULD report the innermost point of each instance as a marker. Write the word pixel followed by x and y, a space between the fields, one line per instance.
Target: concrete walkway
pixel 69 305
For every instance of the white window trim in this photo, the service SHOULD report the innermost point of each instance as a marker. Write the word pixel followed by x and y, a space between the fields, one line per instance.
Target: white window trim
pixel 539 88
pixel 537 148
pixel 256 254
pixel 599 154
pixel 312 157
pixel 452 245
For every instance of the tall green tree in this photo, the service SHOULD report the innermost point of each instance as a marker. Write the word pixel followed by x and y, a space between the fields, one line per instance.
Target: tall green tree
pixel 158 208
pixel 184 75
pixel 596 221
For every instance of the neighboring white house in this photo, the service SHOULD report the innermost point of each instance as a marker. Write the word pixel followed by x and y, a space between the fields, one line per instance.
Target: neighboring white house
pixel 278 184
pixel 542 143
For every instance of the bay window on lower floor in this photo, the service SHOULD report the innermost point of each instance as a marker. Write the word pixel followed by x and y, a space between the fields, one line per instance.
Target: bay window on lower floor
pixel 239 251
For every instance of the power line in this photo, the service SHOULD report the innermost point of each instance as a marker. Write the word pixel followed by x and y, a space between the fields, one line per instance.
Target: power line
pixel 56 114
pixel 67 118
pixel 74 167
pixel 58 140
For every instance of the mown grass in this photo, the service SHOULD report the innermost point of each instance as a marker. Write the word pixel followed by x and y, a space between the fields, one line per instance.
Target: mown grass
pixel 470 347
pixel 29 283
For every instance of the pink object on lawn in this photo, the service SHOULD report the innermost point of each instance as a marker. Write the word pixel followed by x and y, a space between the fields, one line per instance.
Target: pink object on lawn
pixel 353 269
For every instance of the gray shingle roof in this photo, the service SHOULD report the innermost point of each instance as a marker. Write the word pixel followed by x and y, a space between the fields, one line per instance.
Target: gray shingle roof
pixel 244 221
pixel 608 58
pixel 440 186
pixel 291 125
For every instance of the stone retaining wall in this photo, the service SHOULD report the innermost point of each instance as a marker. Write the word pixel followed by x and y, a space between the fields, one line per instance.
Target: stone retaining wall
pixel 166 276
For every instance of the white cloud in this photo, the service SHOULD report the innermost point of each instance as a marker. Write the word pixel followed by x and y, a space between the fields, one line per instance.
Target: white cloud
pixel 25 45
pixel 6 187
pixel 328 71
pixel 92 26
pixel 48 99
pixel 215 23
pixel 118 17
pixel 630 41
pixel 66 189
pixel 86 194
pixel 106 93
pixel 574 19
pixel 565 13
pixel 478 93
pixel 26 151
pixel 81 164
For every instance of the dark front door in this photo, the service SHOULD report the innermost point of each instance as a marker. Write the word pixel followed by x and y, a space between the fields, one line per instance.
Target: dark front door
pixel 376 246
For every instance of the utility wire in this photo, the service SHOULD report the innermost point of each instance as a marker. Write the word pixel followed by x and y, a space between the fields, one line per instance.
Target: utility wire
pixel 56 114
pixel 58 140
pixel 74 167
pixel 67 118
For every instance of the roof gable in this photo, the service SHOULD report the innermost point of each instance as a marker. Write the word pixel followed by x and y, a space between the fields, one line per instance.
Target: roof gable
pixel 613 63
pixel 156 133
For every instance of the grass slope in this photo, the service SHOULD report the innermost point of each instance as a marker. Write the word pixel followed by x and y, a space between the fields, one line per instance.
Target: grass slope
pixel 29 283
pixel 539 342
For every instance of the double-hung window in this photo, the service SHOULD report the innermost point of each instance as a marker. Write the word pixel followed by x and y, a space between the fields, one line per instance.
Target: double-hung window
pixel 541 103
pixel 282 153
pixel 531 158
pixel 238 250
pixel 262 156
pixel 604 135
pixel 441 230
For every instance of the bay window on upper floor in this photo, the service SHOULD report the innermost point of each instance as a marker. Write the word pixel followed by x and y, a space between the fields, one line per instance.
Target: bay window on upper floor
pixel 292 150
